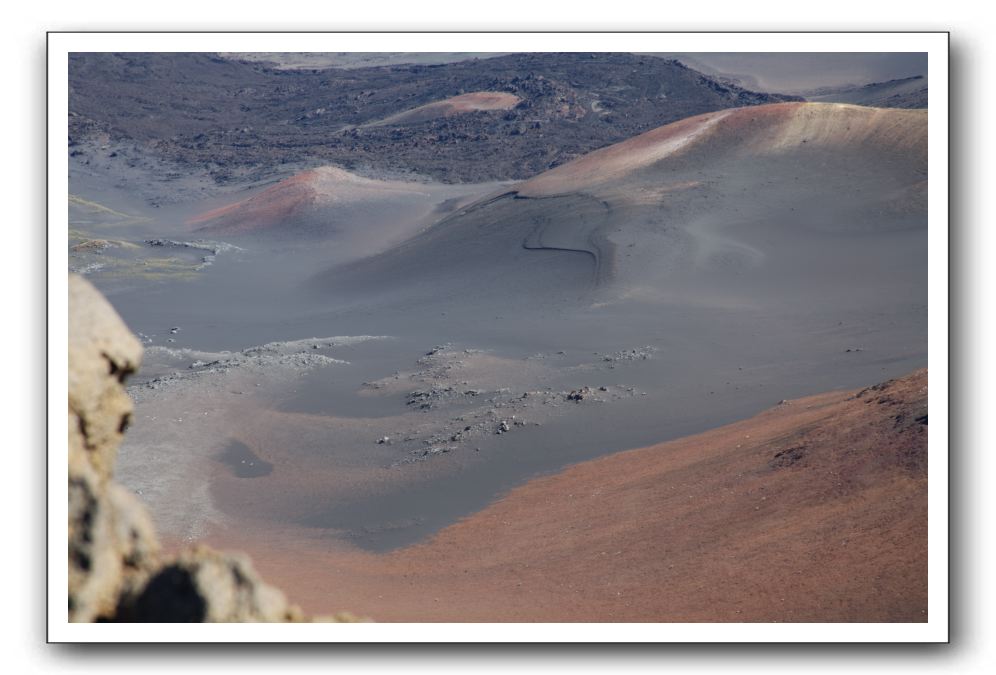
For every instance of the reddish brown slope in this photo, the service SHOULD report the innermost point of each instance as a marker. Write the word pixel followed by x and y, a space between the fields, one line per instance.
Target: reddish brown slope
pixel 779 129
pixel 815 510
pixel 306 200
pixel 455 105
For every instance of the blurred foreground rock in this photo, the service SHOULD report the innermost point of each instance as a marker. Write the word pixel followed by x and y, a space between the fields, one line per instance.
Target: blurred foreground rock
pixel 204 585
pixel 116 569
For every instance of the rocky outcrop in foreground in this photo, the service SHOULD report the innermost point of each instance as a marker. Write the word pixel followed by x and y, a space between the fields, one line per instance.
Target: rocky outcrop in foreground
pixel 117 571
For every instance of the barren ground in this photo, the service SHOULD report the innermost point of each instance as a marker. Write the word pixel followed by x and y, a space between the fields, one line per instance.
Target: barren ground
pixel 814 510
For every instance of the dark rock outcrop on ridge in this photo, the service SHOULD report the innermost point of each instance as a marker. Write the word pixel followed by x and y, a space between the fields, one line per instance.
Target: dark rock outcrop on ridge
pixel 235 119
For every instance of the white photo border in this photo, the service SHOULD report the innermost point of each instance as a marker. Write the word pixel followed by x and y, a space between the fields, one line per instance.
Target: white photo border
pixel 934 44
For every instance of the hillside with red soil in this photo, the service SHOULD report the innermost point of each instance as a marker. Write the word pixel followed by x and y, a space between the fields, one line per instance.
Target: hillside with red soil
pixel 455 105
pixel 357 215
pixel 777 129
pixel 815 510
pixel 296 201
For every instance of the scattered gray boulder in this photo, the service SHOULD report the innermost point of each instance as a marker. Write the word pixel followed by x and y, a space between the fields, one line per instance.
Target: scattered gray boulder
pixel 112 546
pixel 578 395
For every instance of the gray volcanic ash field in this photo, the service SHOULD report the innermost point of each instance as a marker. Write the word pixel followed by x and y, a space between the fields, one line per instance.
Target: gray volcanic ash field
pixel 363 338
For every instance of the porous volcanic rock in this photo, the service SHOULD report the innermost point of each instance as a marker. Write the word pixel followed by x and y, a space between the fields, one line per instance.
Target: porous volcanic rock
pixel 203 585
pixel 116 569
pixel 102 352
pixel 112 546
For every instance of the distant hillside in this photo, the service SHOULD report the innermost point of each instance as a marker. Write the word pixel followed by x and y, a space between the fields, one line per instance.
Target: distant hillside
pixel 230 117
pixel 910 92
pixel 800 72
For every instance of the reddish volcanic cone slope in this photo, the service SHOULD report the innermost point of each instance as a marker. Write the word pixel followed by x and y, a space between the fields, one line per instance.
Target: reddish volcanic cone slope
pixel 790 131
pixel 736 208
pixel 464 103
pixel 319 202
pixel 814 511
